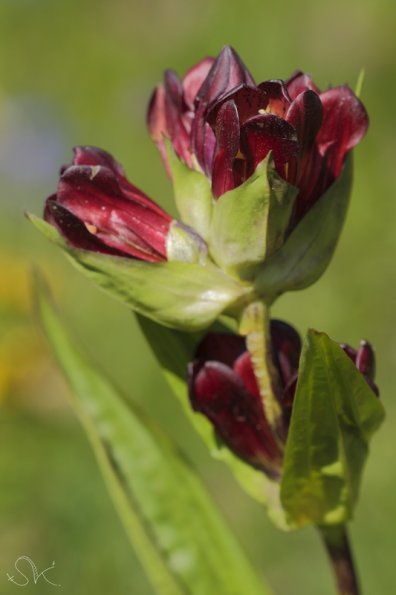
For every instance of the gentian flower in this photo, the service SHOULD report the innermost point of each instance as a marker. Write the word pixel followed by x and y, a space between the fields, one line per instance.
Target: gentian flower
pixel 220 122
pixel 223 387
pixel 96 208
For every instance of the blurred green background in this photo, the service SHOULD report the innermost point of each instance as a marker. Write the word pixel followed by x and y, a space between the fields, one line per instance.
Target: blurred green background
pixel 81 72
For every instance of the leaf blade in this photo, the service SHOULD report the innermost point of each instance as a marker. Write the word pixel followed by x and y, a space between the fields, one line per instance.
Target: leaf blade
pixel 335 414
pixel 183 554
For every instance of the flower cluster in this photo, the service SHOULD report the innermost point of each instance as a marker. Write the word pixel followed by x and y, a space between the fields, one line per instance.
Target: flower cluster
pixel 224 388
pixel 222 124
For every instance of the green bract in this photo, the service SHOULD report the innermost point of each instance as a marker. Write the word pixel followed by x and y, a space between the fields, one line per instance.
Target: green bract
pixel 246 229
pixel 249 222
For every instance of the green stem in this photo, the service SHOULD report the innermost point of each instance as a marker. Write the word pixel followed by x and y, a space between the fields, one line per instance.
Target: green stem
pixel 338 548
pixel 255 325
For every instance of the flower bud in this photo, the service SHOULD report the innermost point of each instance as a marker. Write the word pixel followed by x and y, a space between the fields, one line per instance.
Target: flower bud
pixel 223 387
pixel 96 208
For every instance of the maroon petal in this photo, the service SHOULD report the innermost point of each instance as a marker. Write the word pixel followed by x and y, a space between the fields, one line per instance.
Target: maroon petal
pixel 94 195
pixel 227 147
pixel 249 102
pixel 244 368
pixel 86 155
pixel 218 393
pixel 365 360
pixel 345 123
pixel 278 99
pixel 174 110
pixel 74 230
pixel 306 114
pixel 298 83
pixel 286 349
pixel 350 351
pixel 221 347
pixel 226 73
pixel 266 133
pixel 193 79
pixel 156 123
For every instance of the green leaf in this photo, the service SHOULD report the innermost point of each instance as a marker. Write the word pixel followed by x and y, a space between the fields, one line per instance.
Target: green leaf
pixel 193 194
pixel 183 295
pixel 184 545
pixel 308 250
pixel 249 222
pixel 174 350
pixel 334 416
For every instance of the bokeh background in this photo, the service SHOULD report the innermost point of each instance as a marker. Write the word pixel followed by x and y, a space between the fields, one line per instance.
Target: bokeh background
pixel 81 72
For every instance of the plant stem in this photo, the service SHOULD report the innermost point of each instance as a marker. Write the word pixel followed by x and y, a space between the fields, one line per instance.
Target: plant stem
pixel 339 551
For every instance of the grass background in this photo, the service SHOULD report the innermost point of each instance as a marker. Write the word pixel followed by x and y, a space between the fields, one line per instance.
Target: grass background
pixel 81 72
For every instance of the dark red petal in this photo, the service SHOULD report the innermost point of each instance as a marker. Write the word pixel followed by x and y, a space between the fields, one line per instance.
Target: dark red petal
pixel 266 133
pixel 298 83
pixel 94 196
pixel 306 170
pixel 193 79
pixel 226 73
pixel 249 101
pixel 227 147
pixel 306 114
pixel 345 123
pixel 350 351
pixel 74 231
pixel 221 347
pixel 156 119
pixel 218 393
pixel 174 110
pixel 244 368
pixel 278 99
pixel 85 155
pixel 365 360
pixel 97 157
pixel 286 349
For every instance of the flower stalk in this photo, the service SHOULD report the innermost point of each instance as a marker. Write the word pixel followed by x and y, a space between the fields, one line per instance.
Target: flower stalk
pixel 255 326
pixel 336 541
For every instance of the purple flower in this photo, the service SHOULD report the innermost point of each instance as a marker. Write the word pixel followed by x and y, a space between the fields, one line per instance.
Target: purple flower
pixel 220 121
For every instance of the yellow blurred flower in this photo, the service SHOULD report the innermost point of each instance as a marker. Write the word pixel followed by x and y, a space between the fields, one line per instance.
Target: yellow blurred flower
pixel 23 355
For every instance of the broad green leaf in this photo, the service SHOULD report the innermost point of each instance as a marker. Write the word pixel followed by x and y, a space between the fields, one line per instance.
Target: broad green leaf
pixel 183 295
pixel 334 416
pixel 174 350
pixel 308 250
pixel 183 543
pixel 193 194
pixel 249 222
